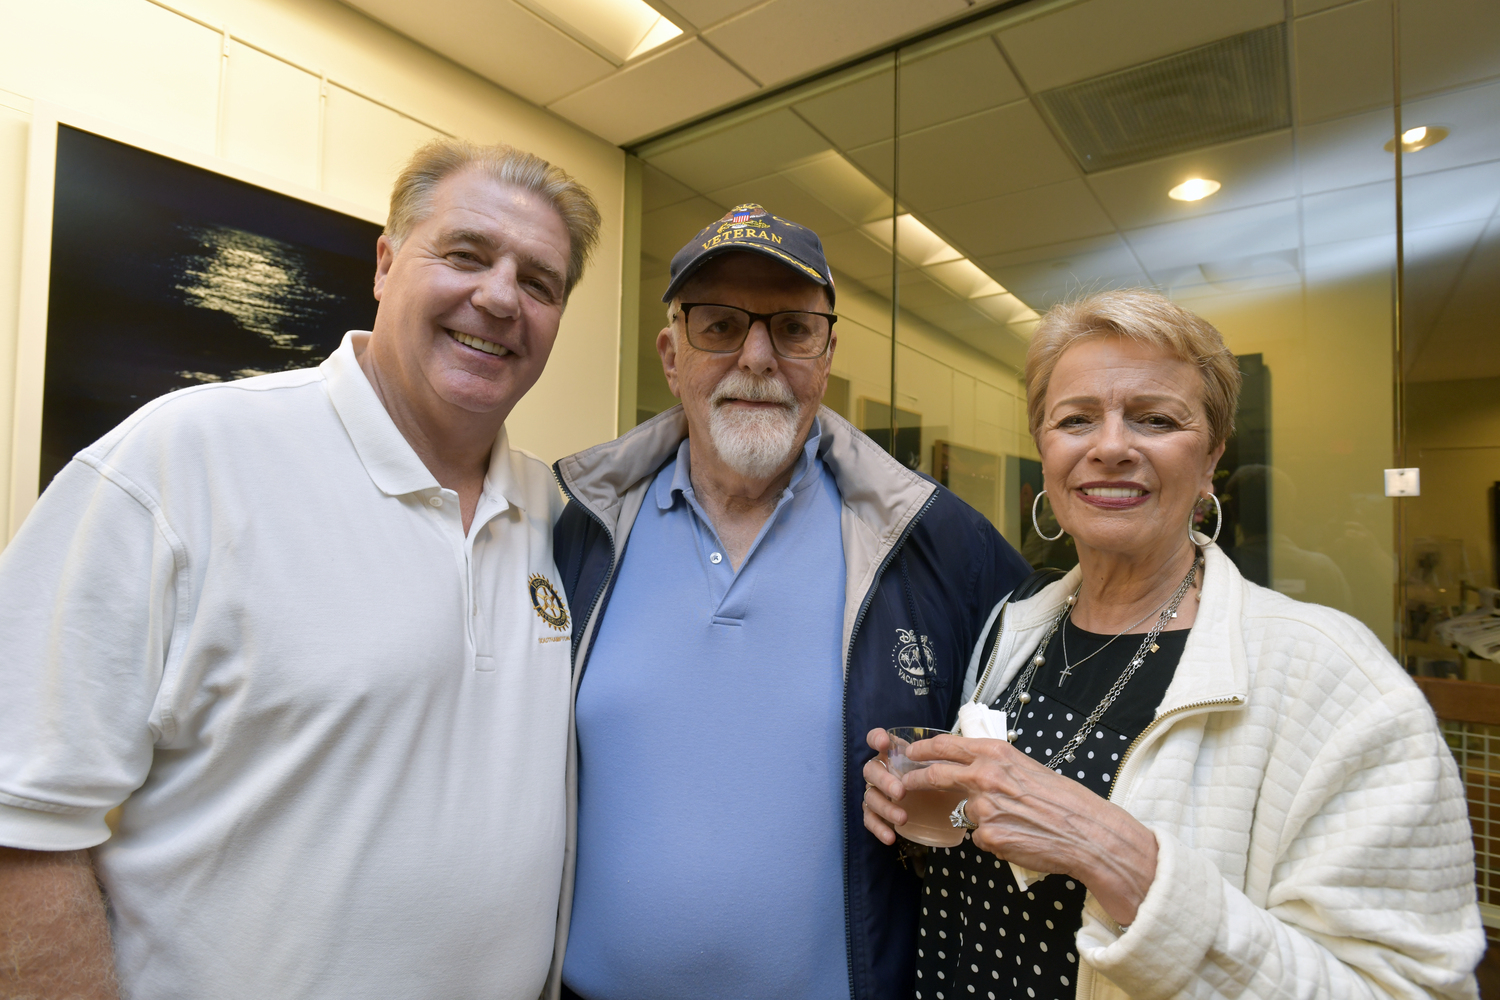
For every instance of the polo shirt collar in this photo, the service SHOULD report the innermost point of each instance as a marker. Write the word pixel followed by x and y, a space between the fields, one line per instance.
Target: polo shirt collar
pixel 666 492
pixel 390 460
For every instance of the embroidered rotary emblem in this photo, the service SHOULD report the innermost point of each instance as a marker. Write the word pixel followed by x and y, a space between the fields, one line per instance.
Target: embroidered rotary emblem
pixel 546 602
pixel 915 661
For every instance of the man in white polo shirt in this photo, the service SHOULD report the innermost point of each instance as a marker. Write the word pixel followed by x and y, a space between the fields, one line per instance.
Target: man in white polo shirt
pixel 309 625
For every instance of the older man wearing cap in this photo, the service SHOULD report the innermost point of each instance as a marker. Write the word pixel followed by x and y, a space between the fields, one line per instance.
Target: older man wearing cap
pixel 757 585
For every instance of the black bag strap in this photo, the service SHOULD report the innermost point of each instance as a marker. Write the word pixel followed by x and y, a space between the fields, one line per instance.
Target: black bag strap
pixel 1029 587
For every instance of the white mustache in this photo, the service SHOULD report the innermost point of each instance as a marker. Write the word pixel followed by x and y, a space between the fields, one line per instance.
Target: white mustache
pixel 752 388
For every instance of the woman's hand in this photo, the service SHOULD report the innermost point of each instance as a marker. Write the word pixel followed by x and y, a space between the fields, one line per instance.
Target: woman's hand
pixel 882 791
pixel 1039 819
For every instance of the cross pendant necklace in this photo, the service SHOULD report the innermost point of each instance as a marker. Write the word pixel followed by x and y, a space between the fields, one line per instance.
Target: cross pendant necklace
pixel 1067 620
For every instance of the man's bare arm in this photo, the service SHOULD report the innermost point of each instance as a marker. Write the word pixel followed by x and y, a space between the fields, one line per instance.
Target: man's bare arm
pixel 54 938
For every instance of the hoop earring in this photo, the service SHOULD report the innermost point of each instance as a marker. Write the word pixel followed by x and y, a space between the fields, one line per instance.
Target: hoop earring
pixel 1218 513
pixel 1038 527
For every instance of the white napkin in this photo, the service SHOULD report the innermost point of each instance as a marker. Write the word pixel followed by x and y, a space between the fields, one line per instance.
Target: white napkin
pixel 980 722
pixel 977 721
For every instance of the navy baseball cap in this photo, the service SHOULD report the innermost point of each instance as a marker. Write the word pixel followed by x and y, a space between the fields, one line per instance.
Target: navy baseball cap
pixel 752 229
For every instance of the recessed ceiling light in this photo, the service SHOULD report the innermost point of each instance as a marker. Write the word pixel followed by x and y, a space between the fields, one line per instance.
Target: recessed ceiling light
pixel 1417 138
pixel 1195 189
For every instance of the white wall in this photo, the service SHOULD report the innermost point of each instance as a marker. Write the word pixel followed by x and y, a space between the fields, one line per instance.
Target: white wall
pixel 315 93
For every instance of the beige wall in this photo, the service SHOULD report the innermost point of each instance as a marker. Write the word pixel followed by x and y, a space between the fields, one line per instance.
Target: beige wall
pixel 316 94
pixel 1453 436
pixel 1327 344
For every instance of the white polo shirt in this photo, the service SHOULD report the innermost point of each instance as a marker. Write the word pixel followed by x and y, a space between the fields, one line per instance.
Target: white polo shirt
pixel 341 724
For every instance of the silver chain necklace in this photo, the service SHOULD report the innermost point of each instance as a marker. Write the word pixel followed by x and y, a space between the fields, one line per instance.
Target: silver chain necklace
pixel 1022 695
pixel 1068 667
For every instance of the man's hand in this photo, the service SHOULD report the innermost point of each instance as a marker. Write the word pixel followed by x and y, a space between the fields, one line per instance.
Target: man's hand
pixel 54 938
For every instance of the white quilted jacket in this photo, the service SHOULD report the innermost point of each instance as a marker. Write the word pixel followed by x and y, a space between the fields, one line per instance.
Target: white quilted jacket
pixel 1313 835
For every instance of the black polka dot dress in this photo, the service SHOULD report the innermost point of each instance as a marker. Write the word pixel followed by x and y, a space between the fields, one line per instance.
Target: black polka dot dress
pixel 982 936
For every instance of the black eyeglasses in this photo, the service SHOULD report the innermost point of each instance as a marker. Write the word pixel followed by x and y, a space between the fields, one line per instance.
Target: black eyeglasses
pixel 720 329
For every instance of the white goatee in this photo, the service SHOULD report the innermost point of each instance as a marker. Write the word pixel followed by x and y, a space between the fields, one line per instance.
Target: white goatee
pixel 754 443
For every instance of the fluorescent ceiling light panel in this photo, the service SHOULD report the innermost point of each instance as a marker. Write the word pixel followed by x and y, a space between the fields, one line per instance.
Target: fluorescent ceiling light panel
pixel 618 30
pixel 841 186
pixel 1005 308
pixel 914 241
pixel 964 279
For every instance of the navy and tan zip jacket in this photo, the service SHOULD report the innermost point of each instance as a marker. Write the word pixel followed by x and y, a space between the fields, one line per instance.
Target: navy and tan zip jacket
pixel 923 571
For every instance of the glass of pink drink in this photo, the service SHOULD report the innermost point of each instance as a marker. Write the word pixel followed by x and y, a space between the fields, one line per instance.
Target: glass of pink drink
pixel 927 812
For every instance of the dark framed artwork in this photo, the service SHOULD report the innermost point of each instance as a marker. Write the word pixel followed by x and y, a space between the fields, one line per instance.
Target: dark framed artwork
pixel 875 421
pixel 165 274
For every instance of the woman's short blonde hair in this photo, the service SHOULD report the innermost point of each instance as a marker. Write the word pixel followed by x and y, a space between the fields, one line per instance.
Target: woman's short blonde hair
pixel 1149 319
pixel 411 198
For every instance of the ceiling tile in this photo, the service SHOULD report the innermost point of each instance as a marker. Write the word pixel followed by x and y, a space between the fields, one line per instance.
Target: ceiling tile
pixel 1347 151
pixel 1233 235
pixel 1349 213
pixel 860 257
pixel 854 114
pixel 1043 276
pixel 754 148
pixel 1252 171
pixel 781 197
pixel 1448 43
pixel 993 153
pixel 660 90
pixel 841 186
pixel 1091 39
pixel 1329 263
pixel 1343 60
pixel 919 291
pixel 953 83
pixel 1054 213
pixel 537 61
pixel 703 13
pixel 1463 194
pixel 952 315
pixel 786 38
pixel 658 190
pixel 667 230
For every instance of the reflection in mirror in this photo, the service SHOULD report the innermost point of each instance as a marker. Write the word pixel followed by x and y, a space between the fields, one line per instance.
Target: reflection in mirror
pixel 1450 162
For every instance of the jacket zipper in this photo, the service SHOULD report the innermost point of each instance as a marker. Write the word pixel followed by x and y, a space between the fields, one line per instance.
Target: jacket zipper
pixel 1125 759
pixel 844 771
pixel 989 667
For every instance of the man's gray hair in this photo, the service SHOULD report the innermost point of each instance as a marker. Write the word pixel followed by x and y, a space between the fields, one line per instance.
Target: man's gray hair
pixel 411 198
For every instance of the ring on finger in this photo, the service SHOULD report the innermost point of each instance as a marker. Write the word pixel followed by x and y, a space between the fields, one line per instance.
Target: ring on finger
pixel 959 817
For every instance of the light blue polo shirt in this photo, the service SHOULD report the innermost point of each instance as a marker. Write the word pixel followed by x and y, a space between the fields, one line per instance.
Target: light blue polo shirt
pixel 710 729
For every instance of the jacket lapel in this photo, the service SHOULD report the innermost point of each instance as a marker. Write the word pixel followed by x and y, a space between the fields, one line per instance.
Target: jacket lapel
pixel 1213 664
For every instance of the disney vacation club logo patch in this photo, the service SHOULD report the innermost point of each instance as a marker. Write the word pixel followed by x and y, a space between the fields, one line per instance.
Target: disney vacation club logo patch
pixel 914 659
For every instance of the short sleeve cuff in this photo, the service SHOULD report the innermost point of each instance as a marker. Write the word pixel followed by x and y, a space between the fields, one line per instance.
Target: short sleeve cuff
pixel 41 829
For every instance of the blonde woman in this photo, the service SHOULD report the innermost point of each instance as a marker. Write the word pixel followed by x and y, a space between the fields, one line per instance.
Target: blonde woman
pixel 1234 793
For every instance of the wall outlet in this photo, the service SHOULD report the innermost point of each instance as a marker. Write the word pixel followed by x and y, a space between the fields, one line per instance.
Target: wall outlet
pixel 1403 482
